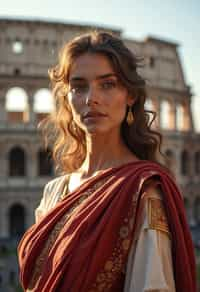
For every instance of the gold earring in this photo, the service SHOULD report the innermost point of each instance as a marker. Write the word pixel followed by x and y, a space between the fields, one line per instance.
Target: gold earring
pixel 130 117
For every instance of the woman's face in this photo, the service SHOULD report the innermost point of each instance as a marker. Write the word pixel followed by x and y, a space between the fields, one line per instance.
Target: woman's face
pixel 97 98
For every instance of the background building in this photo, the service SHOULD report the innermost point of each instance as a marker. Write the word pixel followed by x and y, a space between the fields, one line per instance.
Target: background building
pixel 27 50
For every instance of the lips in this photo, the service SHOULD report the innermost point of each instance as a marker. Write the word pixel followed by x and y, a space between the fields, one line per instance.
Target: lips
pixel 93 114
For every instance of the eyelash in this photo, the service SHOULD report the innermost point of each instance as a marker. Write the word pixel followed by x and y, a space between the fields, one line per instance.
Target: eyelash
pixel 79 88
pixel 107 85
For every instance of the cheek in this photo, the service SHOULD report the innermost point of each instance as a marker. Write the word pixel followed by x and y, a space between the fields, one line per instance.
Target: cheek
pixel 118 108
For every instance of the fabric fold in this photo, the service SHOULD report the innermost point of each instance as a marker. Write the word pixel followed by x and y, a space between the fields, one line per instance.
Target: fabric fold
pixel 96 225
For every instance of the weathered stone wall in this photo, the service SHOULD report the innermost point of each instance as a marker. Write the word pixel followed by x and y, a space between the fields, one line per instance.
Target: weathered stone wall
pixel 27 50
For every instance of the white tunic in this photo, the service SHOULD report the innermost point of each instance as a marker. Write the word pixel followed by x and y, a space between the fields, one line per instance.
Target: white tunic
pixel 149 267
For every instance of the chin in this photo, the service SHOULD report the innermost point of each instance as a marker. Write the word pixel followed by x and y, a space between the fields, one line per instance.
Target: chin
pixel 96 130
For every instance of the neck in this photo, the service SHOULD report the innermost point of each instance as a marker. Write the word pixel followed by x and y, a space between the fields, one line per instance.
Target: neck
pixel 104 151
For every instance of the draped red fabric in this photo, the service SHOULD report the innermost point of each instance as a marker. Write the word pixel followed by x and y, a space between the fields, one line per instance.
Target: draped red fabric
pixel 89 254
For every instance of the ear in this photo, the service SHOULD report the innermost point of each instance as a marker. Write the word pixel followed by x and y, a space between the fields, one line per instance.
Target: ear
pixel 130 100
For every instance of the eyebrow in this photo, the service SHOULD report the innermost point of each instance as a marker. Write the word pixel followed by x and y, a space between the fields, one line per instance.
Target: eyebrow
pixel 79 78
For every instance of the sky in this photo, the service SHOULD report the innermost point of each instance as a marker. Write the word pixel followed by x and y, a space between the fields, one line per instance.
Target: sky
pixel 173 20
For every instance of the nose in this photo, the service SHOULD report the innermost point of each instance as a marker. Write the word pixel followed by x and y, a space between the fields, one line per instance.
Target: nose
pixel 92 96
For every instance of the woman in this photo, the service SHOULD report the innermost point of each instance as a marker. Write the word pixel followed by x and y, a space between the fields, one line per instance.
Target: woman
pixel 115 220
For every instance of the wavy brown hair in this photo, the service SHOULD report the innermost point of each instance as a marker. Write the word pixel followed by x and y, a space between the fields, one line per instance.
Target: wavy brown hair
pixel 66 139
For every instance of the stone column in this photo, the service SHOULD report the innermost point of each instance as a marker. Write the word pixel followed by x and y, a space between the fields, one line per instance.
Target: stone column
pixel 177 162
pixel 29 215
pixel 3 162
pixel 189 114
pixel 191 206
pixel 32 163
pixel 187 124
pixel 172 116
pixel 3 117
pixel 4 220
pixel 30 109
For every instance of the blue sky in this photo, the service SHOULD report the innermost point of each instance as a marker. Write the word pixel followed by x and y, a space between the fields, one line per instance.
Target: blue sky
pixel 177 20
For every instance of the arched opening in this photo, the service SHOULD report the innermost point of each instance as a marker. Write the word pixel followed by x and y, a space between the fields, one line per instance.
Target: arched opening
pixel 149 105
pixel 180 117
pixel 184 162
pixel 16 162
pixel 151 61
pixel 17 47
pixel 16 105
pixel 45 163
pixel 197 210
pixel 197 162
pixel 16 72
pixel 16 220
pixel 12 277
pixel 165 114
pixel 43 103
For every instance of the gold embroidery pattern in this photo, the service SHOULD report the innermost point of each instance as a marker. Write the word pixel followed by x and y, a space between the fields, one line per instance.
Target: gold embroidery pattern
pixel 115 264
pixel 39 263
pixel 156 215
pixel 49 243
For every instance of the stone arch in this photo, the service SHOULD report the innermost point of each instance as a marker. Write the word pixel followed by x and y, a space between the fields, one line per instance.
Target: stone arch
pixel 45 163
pixel 16 220
pixel 16 105
pixel 43 103
pixel 17 161
pixel 149 104
pixel 184 162
pixel 151 107
pixel 17 46
pixel 165 114
pixel 197 162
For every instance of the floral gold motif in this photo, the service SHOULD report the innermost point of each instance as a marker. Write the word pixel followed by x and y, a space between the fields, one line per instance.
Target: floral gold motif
pixel 126 244
pixel 124 231
pixel 108 265
pixel 39 263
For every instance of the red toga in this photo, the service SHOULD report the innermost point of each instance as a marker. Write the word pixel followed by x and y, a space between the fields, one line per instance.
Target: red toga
pixel 88 254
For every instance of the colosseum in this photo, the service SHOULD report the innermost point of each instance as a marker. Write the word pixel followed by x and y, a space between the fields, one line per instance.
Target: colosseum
pixel 27 49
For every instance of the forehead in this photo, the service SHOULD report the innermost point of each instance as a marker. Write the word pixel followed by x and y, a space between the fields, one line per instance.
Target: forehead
pixel 90 66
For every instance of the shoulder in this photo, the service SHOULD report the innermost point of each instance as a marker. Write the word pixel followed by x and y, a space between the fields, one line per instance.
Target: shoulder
pixel 54 183
pixel 149 168
pixel 54 186
pixel 50 196
pixel 156 217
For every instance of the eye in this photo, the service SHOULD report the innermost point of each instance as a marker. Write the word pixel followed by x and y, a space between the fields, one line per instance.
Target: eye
pixel 108 84
pixel 78 88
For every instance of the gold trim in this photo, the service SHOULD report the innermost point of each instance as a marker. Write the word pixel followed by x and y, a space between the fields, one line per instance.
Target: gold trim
pixel 39 263
pixel 156 215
